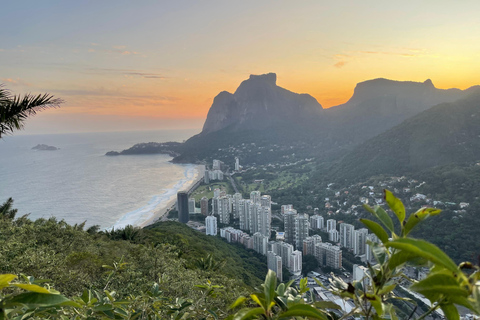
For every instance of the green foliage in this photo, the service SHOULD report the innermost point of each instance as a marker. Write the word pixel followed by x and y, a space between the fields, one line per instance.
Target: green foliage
pixel 14 110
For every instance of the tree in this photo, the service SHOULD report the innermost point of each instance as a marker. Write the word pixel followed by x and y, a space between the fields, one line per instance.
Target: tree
pixel 7 211
pixel 14 110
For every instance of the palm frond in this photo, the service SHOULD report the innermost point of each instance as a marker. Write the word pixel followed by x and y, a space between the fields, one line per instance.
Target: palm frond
pixel 14 110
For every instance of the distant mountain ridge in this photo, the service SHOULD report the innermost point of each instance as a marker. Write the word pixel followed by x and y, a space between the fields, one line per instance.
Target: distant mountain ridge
pixel 380 104
pixel 448 133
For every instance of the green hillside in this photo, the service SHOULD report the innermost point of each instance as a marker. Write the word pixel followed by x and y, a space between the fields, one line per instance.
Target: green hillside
pixel 445 134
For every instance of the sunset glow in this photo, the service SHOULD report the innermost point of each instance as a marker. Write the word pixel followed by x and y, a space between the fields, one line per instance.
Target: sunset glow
pixel 122 65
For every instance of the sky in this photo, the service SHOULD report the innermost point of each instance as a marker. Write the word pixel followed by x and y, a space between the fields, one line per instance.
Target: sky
pixel 145 65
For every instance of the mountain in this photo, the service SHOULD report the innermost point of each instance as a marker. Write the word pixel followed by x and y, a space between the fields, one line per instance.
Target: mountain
pixel 380 104
pixel 259 102
pixel 448 133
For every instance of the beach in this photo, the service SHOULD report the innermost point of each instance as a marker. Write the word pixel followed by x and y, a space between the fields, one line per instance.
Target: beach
pixel 190 186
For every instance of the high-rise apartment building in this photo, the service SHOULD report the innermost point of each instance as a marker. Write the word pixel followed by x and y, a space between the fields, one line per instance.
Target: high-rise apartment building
pixel 255 196
pixel 182 206
pixel 328 255
pixel 310 243
pixel 216 164
pixel 191 205
pixel 236 203
pixel 211 225
pixel 286 207
pixel 237 164
pixel 369 257
pixel 223 212
pixel 333 235
pixel 301 230
pixel 317 222
pixel 260 243
pixel 296 263
pixel 346 235
pixel 289 225
pixel 331 224
pixel 359 241
pixel 274 263
pixel 204 206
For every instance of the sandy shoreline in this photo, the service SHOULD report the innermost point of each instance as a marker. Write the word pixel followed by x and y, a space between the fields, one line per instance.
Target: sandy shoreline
pixel 161 213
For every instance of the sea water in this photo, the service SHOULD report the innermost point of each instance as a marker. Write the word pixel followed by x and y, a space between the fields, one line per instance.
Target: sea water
pixel 79 183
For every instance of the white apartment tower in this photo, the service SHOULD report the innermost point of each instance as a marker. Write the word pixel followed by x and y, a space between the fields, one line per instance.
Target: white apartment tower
pixel 310 243
pixel 260 243
pixel 346 235
pixel 237 164
pixel 255 196
pixel 274 263
pixel 359 241
pixel 211 225
pixel 331 224
pixel 317 222
pixel 216 165
pixel 301 230
pixel 236 203
pixel 296 263
pixel 333 235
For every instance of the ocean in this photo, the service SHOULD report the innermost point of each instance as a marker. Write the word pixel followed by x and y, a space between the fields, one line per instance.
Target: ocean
pixel 79 183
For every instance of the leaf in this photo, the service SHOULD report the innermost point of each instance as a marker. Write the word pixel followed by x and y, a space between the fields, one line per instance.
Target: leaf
pixel 420 215
pixel 440 283
pixel 258 301
pixel 247 313
pixel 5 280
pixel 269 287
pixel 376 229
pixel 395 205
pixel 383 216
pixel 425 250
pixel 387 289
pixel 327 305
pixel 103 307
pixel 239 301
pixel 450 311
pixel 400 258
pixel 36 300
pixel 32 288
pixel 303 310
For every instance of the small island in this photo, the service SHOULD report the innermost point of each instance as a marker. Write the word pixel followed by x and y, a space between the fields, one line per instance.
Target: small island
pixel 44 147
pixel 169 148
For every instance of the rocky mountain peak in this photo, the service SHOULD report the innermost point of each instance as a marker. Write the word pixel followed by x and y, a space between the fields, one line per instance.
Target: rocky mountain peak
pixel 259 102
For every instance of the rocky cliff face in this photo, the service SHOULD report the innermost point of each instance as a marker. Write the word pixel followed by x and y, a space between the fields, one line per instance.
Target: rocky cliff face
pixel 258 101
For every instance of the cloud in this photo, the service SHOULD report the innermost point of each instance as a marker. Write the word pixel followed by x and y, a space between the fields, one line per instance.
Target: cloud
pixel 16 82
pixel 119 47
pixel 340 64
pixel 101 92
pixel 402 54
pixel 128 73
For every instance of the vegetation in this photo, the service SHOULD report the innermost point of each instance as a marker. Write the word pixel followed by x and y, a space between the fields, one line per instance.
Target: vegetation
pixel 168 278
pixel 14 110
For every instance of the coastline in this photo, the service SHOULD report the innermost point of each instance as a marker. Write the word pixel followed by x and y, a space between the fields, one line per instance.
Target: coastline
pixel 199 172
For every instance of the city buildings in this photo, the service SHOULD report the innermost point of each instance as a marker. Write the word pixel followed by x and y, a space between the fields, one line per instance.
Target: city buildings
pixel 182 206
pixel 309 244
pixel 301 230
pixel 296 263
pixel 328 255
pixel 360 241
pixel 204 206
pixel 274 263
pixel 289 225
pixel 191 205
pixel 317 222
pixel 331 224
pixel 346 235
pixel 211 225
pixel 260 243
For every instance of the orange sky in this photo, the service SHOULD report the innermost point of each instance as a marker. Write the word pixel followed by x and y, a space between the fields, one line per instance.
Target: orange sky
pixel 153 65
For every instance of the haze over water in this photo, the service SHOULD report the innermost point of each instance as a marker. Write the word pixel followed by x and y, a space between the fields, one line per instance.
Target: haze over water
pixel 78 183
